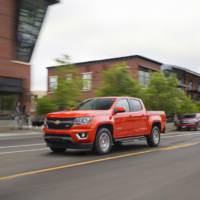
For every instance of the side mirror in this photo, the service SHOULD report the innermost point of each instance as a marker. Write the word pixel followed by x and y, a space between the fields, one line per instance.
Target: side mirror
pixel 119 109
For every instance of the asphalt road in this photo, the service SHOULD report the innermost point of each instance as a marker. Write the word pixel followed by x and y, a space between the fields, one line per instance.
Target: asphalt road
pixel 29 171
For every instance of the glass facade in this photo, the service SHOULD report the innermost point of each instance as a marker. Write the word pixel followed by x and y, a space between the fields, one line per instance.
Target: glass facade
pixel 30 17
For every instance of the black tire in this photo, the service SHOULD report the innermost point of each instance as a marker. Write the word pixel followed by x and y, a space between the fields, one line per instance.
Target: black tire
pixel 103 136
pixel 57 150
pixel 154 139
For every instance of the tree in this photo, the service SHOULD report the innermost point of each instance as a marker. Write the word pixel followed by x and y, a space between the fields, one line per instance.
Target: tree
pixel 118 82
pixel 45 105
pixel 68 91
pixel 187 106
pixel 198 105
pixel 163 93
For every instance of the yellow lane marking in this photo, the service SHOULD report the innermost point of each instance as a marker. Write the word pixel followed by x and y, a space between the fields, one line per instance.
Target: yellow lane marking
pixel 97 161
pixel 178 146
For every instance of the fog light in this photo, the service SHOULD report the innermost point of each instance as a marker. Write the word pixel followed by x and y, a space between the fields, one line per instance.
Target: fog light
pixel 82 135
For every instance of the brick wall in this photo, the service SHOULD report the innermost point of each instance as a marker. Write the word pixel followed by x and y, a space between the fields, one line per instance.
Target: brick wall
pixel 9 68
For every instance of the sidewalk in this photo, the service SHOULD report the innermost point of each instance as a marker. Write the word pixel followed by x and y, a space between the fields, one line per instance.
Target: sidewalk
pixel 6 126
pixel 26 130
pixel 7 129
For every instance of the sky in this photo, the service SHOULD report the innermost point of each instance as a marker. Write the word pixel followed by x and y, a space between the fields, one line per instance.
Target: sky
pixel 166 31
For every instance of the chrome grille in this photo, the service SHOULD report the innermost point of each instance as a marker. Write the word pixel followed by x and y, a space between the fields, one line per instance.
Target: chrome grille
pixel 60 123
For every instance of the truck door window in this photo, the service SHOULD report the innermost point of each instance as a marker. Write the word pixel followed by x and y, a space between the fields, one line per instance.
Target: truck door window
pixel 135 105
pixel 123 103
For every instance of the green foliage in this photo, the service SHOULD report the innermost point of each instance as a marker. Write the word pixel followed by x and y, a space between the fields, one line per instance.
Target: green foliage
pixel 187 106
pixel 45 105
pixel 69 87
pixel 163 93
pixel 198 105
pixel 68 91
pixel 118 82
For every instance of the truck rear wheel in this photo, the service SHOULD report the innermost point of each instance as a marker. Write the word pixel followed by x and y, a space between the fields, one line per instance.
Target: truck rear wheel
pixel 103 142
pixel 57 150
pixel 153 140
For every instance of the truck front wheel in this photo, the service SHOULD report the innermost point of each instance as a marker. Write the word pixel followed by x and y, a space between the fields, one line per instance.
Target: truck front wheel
pixel 103 142
pixel 153 139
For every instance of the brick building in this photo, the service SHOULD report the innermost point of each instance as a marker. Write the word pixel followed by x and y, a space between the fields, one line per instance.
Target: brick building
pixel 188 80
pixel 139 67
pixel 20 22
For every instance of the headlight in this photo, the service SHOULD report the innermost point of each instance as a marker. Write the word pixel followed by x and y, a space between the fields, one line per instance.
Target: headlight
pixel 82 120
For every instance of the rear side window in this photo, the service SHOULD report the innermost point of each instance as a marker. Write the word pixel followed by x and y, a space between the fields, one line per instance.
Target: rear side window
pixel 135 105
pixel 123 103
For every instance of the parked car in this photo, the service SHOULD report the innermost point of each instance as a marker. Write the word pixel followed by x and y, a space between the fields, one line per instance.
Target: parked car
pixel 188 121
pixel 37 121
pixel 98 123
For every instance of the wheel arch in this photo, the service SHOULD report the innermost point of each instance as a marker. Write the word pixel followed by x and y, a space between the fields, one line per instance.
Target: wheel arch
pixel 109 126
pixel 156 123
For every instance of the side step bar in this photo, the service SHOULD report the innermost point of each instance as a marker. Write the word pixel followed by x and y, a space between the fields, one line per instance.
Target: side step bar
pixel 129 139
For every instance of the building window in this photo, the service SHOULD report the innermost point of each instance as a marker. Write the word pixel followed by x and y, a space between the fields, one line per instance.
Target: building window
pixel 7 105
pixel 190 85
pixel 135 105
pixel 68 77
pixel 53 83
pixel 180 76
pixel 144 76
pixel 87 81
pixel 198 88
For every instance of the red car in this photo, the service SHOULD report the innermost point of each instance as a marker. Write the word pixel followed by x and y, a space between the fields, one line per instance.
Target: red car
pixel 188 121
pixel 98 123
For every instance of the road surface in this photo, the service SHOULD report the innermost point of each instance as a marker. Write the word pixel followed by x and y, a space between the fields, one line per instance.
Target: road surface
pixel 29 171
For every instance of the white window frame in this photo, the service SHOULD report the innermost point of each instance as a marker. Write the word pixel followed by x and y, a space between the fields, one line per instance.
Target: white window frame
pixel 68 76
pixel 53 84
pixel 87 82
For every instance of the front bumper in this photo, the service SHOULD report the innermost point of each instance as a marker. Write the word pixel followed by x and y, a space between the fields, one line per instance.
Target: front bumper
pixel 68 138
pixel 186 125
pixel 65 141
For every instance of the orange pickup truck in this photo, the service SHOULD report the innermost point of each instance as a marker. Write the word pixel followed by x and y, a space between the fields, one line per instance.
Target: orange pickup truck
pixel 99 123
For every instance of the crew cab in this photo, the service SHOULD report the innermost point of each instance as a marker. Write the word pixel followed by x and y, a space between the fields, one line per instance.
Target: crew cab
pixel 99 123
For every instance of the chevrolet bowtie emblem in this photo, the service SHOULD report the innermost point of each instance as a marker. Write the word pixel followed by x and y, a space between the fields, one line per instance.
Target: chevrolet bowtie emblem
pixel 57 122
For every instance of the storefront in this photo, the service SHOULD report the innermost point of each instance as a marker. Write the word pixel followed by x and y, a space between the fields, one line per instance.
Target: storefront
pixel 11 90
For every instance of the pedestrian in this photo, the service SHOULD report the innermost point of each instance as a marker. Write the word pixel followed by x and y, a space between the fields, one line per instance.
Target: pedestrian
pixel 18 116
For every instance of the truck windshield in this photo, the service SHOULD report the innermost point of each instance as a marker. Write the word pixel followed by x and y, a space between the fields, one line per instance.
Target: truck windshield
pixel 188 116
pixel 96 104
